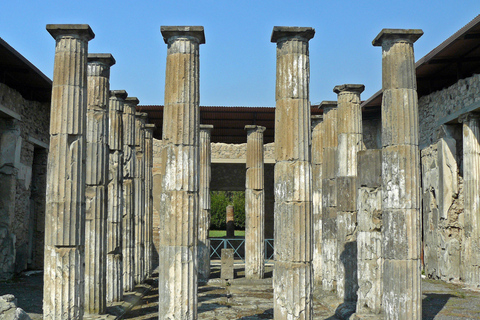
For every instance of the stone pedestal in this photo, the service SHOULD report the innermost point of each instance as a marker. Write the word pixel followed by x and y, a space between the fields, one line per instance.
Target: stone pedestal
pixel 179 201
pixel 204 201
pixel 329 197
pixel 64 268
pixel 292 281
pixel 115 198
pixel 317 160
pixel 230 222
pixel 227 271
pixel 402 290
pixel 128 234
pixel 471 187
pixel 254 205
pixel 148 198
pixel 98 74
pixel 349 135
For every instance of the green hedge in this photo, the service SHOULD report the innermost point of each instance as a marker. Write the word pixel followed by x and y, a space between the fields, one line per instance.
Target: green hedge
pixel 219 202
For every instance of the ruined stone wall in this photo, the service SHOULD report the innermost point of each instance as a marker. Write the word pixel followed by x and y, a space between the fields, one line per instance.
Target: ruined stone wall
pixel 239 151
pixel 20 143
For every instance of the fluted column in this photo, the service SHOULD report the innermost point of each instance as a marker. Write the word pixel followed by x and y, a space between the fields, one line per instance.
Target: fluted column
pixel 128 232
pixel 292 281
pixel 64 268
pixel 329 196
pixel 115 197
pixel 98 77
pixel 204 201
pixel 178 235
pixel 254 205
pixel 471 187
pixel 148 198
pixel 402 294
pixel 139 182
pixel 317 160
pixel 349 133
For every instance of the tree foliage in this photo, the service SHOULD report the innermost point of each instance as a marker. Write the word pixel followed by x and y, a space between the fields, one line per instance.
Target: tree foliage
pixel 219 202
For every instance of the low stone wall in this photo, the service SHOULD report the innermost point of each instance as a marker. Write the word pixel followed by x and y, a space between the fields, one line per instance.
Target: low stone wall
pixel 227 151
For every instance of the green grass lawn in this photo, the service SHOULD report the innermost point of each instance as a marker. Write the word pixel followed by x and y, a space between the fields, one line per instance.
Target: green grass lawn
pixel 223 233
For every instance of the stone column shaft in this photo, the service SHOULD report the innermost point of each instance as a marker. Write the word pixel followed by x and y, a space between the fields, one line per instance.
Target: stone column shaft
pixel 204 201
pixel 64 269
pixel 402 293
pixel 317 160
pixel 255 204
pixel 115 197
pixel 471 187
pixel 148 198
pixel 179 207
pixel 292 281
pixel 129 157
pixel 98 74
pixel 230 221
pixel 349 133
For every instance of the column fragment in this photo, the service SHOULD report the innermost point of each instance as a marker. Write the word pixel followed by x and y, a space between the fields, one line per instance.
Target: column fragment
pixel 402 294
pixel 349 135
pixel 64 268
pixel 317 160
pixel 471 187
pixel 149 128
pixel 179 201
pixel 98 75
pixel 254 205
pixel 115 197
pixel 204 201
pixel 292 281
pixel 128 234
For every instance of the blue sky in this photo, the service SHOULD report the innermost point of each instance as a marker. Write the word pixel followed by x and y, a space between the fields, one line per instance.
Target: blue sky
pixel 237 63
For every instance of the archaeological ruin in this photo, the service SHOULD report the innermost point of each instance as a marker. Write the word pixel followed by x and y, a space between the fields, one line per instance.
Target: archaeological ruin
pixel 348 203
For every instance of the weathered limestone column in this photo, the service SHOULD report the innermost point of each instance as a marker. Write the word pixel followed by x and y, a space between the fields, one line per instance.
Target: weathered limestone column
pixel 64 268
pixel 128 231
pixel 177 282
pixel 317 160
pixel 329 196
pixel 292 281
pixel 204 201
pixel 139 187
pixel 349 133
pixel 230 221
pixel 98 79
pixel 402 292
pixel 471 187
pixel 115 197
pixel 148 198
pixel 254 205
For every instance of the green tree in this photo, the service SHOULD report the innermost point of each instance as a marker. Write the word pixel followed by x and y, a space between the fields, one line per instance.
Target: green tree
pixel 219 202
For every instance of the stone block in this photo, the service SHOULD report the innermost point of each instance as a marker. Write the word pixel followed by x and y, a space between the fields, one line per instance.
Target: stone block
pixel 227 270
pixel 179 209
pixel 369 209
pixel 329 163
pixel 329 225
pixel 369 163
pixel 348 146
pixel 329 193
pixel 401 231
pixel 346 194
pixel 180 166
pixel 293 181
pixel 448 174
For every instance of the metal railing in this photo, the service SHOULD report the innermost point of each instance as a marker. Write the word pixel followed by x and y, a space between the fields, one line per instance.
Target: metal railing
pixel 238 246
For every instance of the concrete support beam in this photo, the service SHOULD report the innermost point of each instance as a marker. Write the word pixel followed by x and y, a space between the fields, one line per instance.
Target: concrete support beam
pixel 292 281
pixel 64 269
pixel 401 230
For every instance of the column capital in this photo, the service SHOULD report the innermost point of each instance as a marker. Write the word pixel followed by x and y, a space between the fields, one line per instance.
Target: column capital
pixel 250 128
pixel 170 32
pixel 103 58
pixel 280 34
pixel 206 127
pixel 150 126
pixel 63 30
pixel 120 94
pixel 394 35
pixel 132 101
pixel 327 105
pixel 353 88
pixel 469 116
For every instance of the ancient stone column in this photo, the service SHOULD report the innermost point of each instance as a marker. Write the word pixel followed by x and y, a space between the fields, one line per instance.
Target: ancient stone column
pixel 204 201
pixel 254 205
pixel 129 157
pixel 139 187
pixel 317 160
pixel 471 187
pixel 230 221
pixel 148 198
pixel 292 281
pixel 98 77
pixel 329 196
pixel 115 197
pixel 178 236
pixel 64 268
pixel 349 135
pixel 402 292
